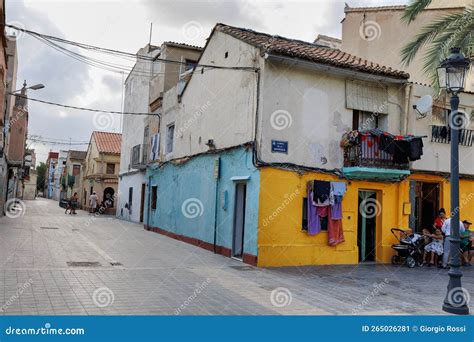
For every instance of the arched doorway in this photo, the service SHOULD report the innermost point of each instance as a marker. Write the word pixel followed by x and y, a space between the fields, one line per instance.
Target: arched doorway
pixel 109 197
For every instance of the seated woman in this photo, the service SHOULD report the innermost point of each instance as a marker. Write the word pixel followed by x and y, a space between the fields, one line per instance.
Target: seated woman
pixel 435 247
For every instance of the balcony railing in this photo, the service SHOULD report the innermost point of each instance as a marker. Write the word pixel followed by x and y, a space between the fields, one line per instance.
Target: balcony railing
pixel 365 151
pixel 442 134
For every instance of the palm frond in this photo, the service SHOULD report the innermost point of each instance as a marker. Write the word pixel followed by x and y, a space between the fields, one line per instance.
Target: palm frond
pixel 413 9
pixel 430 32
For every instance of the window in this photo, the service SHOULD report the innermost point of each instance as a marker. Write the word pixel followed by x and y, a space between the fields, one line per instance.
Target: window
pixel 189 64
pixel 154 197
pixel 110 168
pixel 169 138
pixel 76 170
pixel 362 120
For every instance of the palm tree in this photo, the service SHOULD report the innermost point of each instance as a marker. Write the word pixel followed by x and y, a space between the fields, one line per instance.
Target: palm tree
pixel 445 32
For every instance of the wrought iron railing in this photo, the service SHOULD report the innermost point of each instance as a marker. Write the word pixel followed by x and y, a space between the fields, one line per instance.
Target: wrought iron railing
pixel 366 152
pixel 442 134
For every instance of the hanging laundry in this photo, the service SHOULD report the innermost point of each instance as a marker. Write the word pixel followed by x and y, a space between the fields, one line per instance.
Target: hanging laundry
pixel 337 191
pixel 402 151
pixel 416 149
pixel 335 231
pixel 444 132
pixel 386 143
pixel 338 188
pixel 314 223
pixel 336 210
pixel 321 190
pixel 322 211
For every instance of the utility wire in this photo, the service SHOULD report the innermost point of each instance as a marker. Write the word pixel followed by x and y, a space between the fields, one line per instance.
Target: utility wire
pixel 80 108
pixel 122 53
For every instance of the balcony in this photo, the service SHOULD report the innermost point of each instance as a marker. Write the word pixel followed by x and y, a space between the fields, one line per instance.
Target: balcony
pixel 442 134
pixel 364 158
pixel 139 156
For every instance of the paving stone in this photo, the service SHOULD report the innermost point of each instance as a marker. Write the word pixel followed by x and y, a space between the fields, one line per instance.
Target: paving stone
pixel 159 275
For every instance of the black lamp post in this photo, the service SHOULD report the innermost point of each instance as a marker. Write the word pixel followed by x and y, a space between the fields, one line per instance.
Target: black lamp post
pixel 451 75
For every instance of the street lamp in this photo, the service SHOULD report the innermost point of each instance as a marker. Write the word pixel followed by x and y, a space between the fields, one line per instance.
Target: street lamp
pixel 452 73
pixel 33 87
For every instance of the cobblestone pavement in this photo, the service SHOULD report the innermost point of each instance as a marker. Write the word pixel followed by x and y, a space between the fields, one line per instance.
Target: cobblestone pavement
pixel 136 272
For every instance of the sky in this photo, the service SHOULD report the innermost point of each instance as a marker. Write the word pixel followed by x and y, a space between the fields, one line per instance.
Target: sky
pixel 125 25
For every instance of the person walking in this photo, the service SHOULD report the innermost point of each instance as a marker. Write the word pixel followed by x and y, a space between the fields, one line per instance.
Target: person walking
pixel 93 201
pixel 446 229
pixel 74 199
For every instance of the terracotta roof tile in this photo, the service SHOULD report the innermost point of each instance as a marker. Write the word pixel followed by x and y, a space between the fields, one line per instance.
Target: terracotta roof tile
pixel 308 51
pixel 108 142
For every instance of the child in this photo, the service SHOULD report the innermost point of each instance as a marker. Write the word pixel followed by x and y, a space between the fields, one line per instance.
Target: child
pixel 435 247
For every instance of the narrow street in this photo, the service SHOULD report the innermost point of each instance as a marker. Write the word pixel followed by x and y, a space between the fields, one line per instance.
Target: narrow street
pixel 124 270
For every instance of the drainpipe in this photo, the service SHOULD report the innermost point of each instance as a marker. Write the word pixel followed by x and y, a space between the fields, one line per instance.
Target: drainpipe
pixel 404 118
pixel 149 204
pixel 217 167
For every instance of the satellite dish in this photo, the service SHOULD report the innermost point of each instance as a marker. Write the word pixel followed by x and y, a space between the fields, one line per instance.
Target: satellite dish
pixel 423 105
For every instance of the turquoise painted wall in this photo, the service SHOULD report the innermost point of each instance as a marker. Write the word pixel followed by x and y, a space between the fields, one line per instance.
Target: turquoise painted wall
pixel 186 197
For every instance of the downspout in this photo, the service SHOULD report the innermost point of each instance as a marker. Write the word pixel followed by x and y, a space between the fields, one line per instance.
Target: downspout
pixel 217 166
pixel 404 119
pixel 149 204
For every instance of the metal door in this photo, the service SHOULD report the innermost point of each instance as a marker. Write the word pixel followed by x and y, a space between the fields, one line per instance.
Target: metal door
pixel 239 220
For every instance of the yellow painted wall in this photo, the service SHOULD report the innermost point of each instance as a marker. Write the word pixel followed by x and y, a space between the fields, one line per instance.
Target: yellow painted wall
pixel 281 242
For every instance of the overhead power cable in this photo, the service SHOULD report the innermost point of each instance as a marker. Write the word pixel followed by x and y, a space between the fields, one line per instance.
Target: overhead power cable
pixel 122 53
pixel 81 108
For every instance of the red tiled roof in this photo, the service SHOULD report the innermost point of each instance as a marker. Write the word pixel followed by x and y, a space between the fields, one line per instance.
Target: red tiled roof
pixel 308 51
pixel 108 142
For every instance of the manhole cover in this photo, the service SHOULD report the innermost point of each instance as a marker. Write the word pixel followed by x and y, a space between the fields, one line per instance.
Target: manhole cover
pixel 49 227
pixel 83 263
pixel 243 268
pixel 116 264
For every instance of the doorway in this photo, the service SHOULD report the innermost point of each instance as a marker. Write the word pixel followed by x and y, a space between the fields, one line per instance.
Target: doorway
pixel 425 199
pixel 369 209
pixel 239 221
pixel 142 202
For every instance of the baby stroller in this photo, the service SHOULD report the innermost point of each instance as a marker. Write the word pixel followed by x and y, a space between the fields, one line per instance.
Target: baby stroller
pixel 409 249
